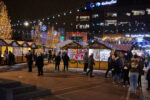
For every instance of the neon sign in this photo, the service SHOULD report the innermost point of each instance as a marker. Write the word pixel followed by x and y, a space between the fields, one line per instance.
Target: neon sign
pixel 98 4
pixel 109 2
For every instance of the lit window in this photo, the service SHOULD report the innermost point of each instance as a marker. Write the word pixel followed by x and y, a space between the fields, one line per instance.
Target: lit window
pixel 148 11
pixel 108 22
pixel 112 14
pixel 138 12
pixel 77 18
pixel 123 23
pixel 128 14
pixel 82 26
pixel 84 18
pixel 95 16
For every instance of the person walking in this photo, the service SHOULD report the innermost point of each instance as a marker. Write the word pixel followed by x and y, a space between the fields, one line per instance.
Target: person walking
pixel 125 74
pixel 66 61
pixel 90 65
pixel 57 62
pixel 29 60
pixel 6 57
pixel 146 62
pixel 85 59
pixel 141 71
pixel 109 66
pixel 133 75
pixel 40 64
pixel 148 79
pixel 49 56
pixel 117 70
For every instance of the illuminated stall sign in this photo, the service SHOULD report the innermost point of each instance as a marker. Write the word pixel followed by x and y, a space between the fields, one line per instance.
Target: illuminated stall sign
pixel 14 44
pixel 33 46
pixel 75 54
pixel 1 43
pixel 25 45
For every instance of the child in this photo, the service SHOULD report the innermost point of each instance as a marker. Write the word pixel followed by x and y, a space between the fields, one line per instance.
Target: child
pixel 125 73
pixel 148 79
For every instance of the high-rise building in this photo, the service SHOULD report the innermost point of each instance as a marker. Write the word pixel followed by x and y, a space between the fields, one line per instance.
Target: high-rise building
pixel 118 17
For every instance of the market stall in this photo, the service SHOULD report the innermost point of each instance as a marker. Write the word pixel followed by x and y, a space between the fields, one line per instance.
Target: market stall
pixel 25 48
pixel 101 54
pixel 33 46
pixel 2 50
pixel 17 51
pixel 75 53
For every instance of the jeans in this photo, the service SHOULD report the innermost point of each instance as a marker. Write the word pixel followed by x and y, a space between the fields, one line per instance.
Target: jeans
pixel 117 75
pixel 133 81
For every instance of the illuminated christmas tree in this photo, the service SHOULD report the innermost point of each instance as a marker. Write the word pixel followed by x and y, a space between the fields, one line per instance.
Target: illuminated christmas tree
pixel 5 26
pixel 53 38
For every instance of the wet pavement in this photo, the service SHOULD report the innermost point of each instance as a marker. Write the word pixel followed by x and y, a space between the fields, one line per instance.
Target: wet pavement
pixel 75 85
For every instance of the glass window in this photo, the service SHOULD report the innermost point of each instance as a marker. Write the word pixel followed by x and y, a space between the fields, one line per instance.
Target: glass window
pixel 128 14
pixel 148 11
pixel 112 14
pixel 95 16
pixel 138 12
pixel 82 26
pixel 107 22
pixel 84 18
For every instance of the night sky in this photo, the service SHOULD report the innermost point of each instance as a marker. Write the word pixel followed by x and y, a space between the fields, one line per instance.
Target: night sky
pixel 29 9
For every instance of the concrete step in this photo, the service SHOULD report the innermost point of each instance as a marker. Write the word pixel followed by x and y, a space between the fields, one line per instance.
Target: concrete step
pixel 23 88
pixel 9 83
pixel 37 93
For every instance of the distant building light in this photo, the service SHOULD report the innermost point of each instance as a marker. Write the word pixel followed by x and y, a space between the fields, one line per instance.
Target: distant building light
pixel 98 4
pixel 128 14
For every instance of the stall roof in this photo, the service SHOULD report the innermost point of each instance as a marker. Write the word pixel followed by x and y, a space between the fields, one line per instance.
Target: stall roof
pixel 83 44
pixel 60 45
pixel 99 45
pixel 121 47
pixel 20 42
pixel 30 43
pixel 8 41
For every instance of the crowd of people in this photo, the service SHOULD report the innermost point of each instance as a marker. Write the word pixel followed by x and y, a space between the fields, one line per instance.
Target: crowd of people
pixel 9 58
pixel 39 61
pixel 126 70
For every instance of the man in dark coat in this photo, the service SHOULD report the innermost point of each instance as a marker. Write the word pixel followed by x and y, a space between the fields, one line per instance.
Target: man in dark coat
pixel 148 79
pixel 40 64
pixel 91 64
pixel 29 60
pixel 109 66
pixel 85 59
pixel 50 56
pixel 65 61
pixel 57 62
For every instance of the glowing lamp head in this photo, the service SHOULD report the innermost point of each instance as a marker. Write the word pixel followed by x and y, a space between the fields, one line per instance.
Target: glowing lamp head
pixel 26 23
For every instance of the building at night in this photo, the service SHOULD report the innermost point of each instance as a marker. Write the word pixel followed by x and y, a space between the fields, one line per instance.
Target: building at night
pixel 118 17
pixel 77 36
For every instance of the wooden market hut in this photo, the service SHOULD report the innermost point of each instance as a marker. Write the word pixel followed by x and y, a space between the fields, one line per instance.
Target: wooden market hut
pixel 101 53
